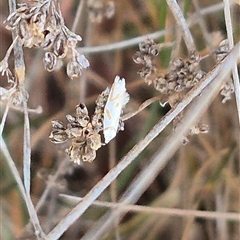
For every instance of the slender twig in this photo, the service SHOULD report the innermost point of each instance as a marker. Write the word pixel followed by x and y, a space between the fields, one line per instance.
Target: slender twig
pixel 217 74
pixel 26 146
pixel 77 17
pixel 229 28
pixel 7 55
pixel 32 213
pixel 157 210
pixel 4 117
pixel 142 106
pixel 19 66
pixel 181 22
pixel 125 44
pixel 37 110
pixel 20 74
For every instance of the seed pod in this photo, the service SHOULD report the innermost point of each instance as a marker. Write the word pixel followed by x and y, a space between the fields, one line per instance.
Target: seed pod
pixel 74 69
pixel 138 58
pixel 81 109
pixel 50 61
pixel 83 61
pixel 94 141
pixel 57 124
pixel 71 118
pixel 83 121
pixel 59 47
pixel 58 136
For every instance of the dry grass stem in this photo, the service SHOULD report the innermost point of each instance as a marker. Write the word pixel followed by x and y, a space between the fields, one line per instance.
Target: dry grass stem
pixel 181 22
pixel 153 210
pixel 31 210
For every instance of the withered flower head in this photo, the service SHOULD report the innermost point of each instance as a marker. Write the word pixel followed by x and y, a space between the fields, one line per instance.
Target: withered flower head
pixel 85 139
pixel 173 84
pixel 50 61
pixel 181 74
pixel 74 69
pixel 40 24
pixel 84 132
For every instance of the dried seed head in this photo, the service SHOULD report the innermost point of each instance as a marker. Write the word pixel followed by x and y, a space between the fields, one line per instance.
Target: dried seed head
pixel 75 132
pixel 74 154
pixel 181 74
pixel 6 71
pixel 81 109
pixel 84 138
pixel 145 46
pixel 95 9
pixel 57 124
pixel 72 42
pixel 199 128
pixel 50 61
pixel 70 118
pixel 227 90
pixel 60 47
pixel 58 136
pixel 222 50
pixel 40 24
pixel 88 155
pixel 74 69
pixel 138 58
pixel 84 121
pixel 177 64
pixel 97 119
pixel 94 141
pixel 160 84
pixel 146 73
pixel 83 61
pixel 84 132
pixel 194 57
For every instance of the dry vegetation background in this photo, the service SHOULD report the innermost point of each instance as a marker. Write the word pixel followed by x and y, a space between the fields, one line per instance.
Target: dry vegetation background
pixel 196 193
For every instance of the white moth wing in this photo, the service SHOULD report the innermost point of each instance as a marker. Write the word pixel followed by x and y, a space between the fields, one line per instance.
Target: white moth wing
pixel 117 99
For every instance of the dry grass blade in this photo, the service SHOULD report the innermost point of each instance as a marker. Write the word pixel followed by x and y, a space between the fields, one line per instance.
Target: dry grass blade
pixel 152 210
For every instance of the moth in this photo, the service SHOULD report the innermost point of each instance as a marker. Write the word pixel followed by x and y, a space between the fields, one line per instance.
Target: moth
pixel 116 101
